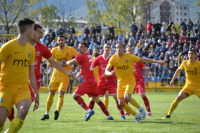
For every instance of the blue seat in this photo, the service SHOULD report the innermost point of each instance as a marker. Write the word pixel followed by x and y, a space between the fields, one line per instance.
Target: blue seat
pixel 156 79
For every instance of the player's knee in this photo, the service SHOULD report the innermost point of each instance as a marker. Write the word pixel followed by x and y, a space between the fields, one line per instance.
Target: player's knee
pixel 142 95
pixel 23 112
pixel 128 99
pixel 121 104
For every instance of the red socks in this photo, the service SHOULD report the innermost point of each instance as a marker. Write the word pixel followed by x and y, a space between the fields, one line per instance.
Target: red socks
pixel 120 109
pixel 81 102
pixel 11 117
pixel 91 104
pixel 146 102
pixel 103 108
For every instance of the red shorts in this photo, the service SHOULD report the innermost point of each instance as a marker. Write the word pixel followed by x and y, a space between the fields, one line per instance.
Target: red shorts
pixel 111 87
pixel 38 87
pixel 89 87
pixel 139 86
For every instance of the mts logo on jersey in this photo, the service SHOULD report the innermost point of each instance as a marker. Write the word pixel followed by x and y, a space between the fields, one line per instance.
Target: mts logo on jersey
pixel 23 62
pixel 124 67
pixel 192 72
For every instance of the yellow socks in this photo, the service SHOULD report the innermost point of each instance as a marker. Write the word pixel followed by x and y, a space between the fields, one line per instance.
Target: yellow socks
pixel 60 102
pixel 106 101
pixel 15 125
pixel 49 102
pixel 134 103
pixel 1 128
pixel 128 109
pixel 173 106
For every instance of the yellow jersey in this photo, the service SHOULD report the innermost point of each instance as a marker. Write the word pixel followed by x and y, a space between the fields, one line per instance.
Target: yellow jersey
pixel 96 71
pixel 123 67
pixel 67 53
pixel 16 60
pixel 192 72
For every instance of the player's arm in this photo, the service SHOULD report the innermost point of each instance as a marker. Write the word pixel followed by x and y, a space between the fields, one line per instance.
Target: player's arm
pixel 79 75
pixel 56 65
pixel 33 84
pixel 146 75
pixel 175 75
pixel 147 60
pixel 71 62
pixel 107 72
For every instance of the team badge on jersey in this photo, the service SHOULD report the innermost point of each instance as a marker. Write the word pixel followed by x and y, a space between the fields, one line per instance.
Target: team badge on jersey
pixel 1 100
pixel 38 53
pixel 126 61
pixel 29 55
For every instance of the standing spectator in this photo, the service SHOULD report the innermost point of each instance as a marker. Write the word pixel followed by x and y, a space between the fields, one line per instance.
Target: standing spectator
pixel 104 29
pixel 169 24
pixel 183 27
pixel 98 29
pixel 164 77
pixel 149 27
pixel 173 29
pixel 111 29
pixel 163 28
pixel 60 31
pixel 140 28
pixel 47 31
pixel 92 30
pixel 157 26
pixel 197 26
pixel 190 25
pixel 134 28
pixel 71 30
pixel 52 35
pixel 86 31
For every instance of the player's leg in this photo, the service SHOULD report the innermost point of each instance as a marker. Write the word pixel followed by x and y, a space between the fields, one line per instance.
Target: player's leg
pixel 182 95
pixel 121 111
pixel 91 104
pixel 3 116
pixel 146 103
pixel 12 115
pixel 106 99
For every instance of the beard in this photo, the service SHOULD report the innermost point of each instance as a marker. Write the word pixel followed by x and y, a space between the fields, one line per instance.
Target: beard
pixel 96 55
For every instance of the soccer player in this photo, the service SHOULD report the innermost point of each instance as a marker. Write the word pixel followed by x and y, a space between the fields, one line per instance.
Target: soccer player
pixel 123 66
pixel 17 64
pixel 106 84
pixel 89 86
pixel 59 80
pixel 139 87
pixel 96 54
pixel 192 71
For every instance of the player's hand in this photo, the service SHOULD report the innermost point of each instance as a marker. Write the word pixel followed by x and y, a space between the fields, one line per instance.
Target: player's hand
pixel 63 62
pixel 146 84
pixel 104 75
pixel 112 72
pixel 71 76
pixel 36 102
pixel 171 83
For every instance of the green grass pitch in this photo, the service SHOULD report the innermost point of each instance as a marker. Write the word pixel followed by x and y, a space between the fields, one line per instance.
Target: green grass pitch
pixel 184 119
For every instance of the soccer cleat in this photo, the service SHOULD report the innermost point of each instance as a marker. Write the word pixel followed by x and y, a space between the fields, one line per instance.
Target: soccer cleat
pixel 87 117
pixel 138 119
pixel 45 117
pixel 84 117
pixel 149 114
pixel 127 114
pixel 142 112
pixel 56 114
pixel 166 117
pixel 109 118
pixel 123 117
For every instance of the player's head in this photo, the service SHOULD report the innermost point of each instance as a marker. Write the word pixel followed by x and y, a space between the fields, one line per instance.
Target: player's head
pixel 120 49
pixel 96 52
pixel 82 47
pixel 129 50
pixel 38 33
pixel 61 41
pixel 25 26
pixel 192 54
pixel 107 48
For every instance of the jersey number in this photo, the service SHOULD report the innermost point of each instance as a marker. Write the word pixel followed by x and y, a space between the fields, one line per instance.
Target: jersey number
pixel 91 66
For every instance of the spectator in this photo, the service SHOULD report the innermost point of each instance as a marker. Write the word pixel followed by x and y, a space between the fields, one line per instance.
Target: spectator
pixel 86 31
pixel 169 24
pixel 149 28
pixel 134 28
pixel 47 31
pixel 173 29
pixel 197 26
pixel 163 28
pixel 102 44
pixel 169 52
pixel 60 31
pixel 182 38
pixel 98 29
pixel 170 76
pixel 92 30
pixel 164 77
pixel 71 30
pixel 91 47
pixel 52 35
pixel 104 29
pixel 140 28
pixel 183 27
pixel 190 25
pixel 111 29
pixel 157 26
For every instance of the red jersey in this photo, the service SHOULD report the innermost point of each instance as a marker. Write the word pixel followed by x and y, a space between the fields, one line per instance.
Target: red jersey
pixel 86 62
pixel 149 25
pixel 138 66
pixel 102 62
pixel 41 51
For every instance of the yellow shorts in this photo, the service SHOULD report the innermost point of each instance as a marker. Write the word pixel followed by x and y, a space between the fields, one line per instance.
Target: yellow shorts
pixel 60 85
pixel 125 88
pixel 190 90
pixel 10 95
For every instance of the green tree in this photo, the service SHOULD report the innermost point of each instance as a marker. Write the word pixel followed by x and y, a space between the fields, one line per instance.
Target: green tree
pixel 198 4
pixel 13 10
pixel 49 16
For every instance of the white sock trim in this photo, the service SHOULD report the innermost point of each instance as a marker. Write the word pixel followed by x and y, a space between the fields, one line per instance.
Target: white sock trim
pixel 47 113
pixel 88 110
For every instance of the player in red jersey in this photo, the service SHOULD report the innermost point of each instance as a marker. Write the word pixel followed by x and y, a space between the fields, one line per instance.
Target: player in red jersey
pixel 140 87
pixel 106 84
pixel 89 85
pixel 41 51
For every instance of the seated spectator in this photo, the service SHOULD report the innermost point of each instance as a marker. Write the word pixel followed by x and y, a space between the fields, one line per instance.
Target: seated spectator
pixel 170 76
pixel 162 56
pixel 102 44
pixel 60 31
pixel 79 38
pixel 182 38
pixel 164 77
pixel 120 37
pixel 130 42
pixel 144 53
pixel 91 47
pixel 169 52
pixel 185 52
pixel 182 77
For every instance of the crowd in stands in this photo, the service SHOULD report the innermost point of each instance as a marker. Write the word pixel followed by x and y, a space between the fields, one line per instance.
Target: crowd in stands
pixel 159 41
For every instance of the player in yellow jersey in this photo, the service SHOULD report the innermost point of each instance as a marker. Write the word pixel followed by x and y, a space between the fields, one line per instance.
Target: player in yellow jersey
pixel 123 67
pixel 192 86
pixel 17 65
pixel 59 80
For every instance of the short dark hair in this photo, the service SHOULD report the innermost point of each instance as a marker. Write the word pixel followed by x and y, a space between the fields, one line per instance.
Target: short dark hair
pixel 37 26
pixel 61 36
pixel 108 44
pixel 23 24
pixel 193 50
pixel 121 44
pixel 96 48
pixel 84 43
